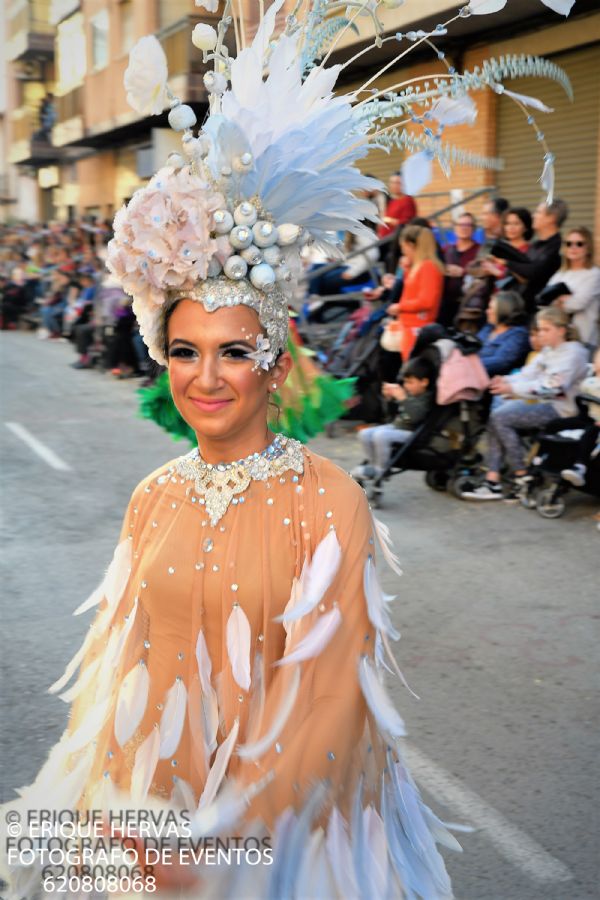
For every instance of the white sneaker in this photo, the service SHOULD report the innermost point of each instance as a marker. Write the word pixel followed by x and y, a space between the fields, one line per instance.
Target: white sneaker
pixel 487 491
pixel 575 475
pixel 43 334
pixel 364 471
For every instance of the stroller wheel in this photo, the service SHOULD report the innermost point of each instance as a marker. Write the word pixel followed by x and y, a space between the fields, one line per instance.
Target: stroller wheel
pixel 528 499
pixel 375 495
pixel 549 504
pixel 436 480
pixel 463 483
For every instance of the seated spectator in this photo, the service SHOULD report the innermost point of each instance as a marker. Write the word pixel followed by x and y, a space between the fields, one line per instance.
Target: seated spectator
pixel 505 341
pixel 54 305
pixel 422 289
pixel 552 381
pixel 582 278
pixel 534 342
pixel 479 284
pixel 415 398
pixel 353 271
pixel 517 231
pixel 13 301
pixel 543 256
pixel 457 257
pixel 588 443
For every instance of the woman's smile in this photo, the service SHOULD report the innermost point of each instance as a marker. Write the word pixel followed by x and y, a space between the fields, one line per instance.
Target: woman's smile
pixel 209 405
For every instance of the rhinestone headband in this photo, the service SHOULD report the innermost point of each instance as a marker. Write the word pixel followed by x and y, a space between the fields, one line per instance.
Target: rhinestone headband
pixel 216 293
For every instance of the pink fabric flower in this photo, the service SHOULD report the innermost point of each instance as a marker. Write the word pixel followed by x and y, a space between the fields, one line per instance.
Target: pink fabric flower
pixel 162 240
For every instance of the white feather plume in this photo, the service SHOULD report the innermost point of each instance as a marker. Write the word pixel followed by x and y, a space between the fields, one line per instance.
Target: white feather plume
pixel 219 767
pixel 317 638
pixel 547 177
pixel 454 111
pixel 182 796
pixel 259 747
pixel 173 718
pixel 227 810
pixel 66 794
pixel 131 702
pixel 318 579
pixel 526 100
pixel 118 573
pixel 485 7
pixel 387 548
pixel 378 701
pixel 72 665
pixel 417 172
pixel 376 851
pixel 340 856
pixel 209 707
pixel 112 654
pixel 85 679
pixel 562 7
pixel 238 646
pixel 144 766
pixel 90 725
pixel 93 600
pixel 377 600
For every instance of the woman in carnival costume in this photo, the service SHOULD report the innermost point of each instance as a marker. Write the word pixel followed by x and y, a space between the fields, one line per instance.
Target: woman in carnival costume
pixel 233 669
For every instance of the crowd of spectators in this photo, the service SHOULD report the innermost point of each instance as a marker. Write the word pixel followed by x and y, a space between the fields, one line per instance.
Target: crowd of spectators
pixel 529 295
pixel 53 278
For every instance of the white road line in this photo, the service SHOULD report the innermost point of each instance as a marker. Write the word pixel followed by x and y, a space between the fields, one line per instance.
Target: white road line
pixel 48 455
pixel 516 846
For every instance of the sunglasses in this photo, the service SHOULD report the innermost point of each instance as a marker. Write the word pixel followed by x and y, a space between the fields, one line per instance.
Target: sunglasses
pixel 575 243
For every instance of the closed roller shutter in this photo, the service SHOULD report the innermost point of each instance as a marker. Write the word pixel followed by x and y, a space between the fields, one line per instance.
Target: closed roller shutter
pixel 571 131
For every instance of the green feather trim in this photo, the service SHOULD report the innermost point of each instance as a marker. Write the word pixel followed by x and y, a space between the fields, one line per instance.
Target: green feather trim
pixel 326 400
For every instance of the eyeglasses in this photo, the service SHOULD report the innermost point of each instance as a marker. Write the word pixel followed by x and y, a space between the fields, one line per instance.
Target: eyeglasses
pixel 575 243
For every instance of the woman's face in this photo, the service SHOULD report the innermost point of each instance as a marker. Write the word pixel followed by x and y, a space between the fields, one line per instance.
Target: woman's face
pixel 492 313
pixel 514 229
pixel 575 247
pixel 549 334
pixel 213 382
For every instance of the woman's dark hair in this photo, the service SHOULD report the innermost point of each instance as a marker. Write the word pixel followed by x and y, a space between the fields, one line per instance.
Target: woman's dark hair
pixel 418 368
pixel 524 216
pixel 168 314
pixel 510 308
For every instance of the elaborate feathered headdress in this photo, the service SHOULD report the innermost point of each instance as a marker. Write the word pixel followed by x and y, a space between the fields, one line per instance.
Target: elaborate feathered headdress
pixel 274 164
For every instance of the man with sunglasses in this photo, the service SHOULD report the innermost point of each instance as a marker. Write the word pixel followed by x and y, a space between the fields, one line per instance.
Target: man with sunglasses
pixel 534 268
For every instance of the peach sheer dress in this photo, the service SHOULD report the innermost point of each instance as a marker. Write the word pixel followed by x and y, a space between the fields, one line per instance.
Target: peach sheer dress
pixel 191 692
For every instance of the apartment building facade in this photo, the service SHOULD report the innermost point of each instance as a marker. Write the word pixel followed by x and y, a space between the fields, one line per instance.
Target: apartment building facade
pixel 98 150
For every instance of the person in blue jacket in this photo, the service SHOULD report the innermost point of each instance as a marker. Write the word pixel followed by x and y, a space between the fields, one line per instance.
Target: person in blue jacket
pixel 505 337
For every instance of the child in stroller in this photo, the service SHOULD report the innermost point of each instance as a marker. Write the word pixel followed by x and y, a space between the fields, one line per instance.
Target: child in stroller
pixel 442 442
pixel 568 454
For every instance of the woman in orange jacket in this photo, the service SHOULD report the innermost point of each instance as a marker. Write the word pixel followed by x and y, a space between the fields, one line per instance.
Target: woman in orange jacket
pixel 423 286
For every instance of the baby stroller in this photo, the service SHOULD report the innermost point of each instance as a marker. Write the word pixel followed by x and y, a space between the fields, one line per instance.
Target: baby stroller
pixel 356 354
pixel 558 450
pixel 444 446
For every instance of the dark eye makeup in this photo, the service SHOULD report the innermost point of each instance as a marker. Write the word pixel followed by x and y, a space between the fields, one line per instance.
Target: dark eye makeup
pixel 182 350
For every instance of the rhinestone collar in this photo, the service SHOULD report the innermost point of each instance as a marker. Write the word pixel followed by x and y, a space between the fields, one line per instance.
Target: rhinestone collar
pixel 218 484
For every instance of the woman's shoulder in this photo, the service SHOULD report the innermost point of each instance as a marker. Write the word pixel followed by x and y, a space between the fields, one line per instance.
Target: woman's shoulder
pixel 335 481
pixel 161 475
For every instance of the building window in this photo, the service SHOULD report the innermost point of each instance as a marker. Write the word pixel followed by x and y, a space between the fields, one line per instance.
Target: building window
pixel 99 25
pixel 70 53
pixel 126 25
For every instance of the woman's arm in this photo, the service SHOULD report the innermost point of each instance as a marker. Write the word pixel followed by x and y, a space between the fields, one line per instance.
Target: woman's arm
pixel 586 292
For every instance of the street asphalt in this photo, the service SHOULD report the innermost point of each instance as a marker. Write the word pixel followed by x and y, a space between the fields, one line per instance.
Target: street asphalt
pixel 498 608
